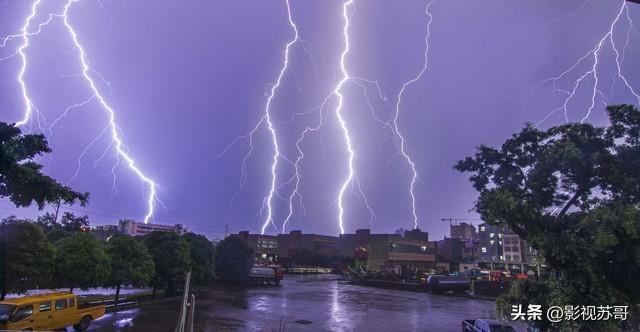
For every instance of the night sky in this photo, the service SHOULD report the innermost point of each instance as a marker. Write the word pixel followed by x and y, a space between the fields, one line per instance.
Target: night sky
pixel 187 77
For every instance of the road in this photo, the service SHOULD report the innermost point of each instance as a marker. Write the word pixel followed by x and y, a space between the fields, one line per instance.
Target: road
pixel 306 303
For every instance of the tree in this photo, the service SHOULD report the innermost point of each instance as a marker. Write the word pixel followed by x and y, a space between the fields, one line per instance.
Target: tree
pixel 21 179
pixel 171 258
pixel 131 263
pixel 56 235
pixel 26 256
pixel 71 223
pixel 233 261
pixel 573 192
pixel 81 262
pixel 202 253
pixel 48 221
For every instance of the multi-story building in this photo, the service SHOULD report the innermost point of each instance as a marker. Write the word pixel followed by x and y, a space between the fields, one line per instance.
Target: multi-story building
pixel 513 248
pixel 265 247
pixel 290 245
pixel 373 251
pixel 134 228
pixel 450 250
pixel 411 251
pixel 490 243
pixel 463 231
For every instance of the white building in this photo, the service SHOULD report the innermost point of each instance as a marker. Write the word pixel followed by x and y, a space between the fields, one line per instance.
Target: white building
pixel 134 228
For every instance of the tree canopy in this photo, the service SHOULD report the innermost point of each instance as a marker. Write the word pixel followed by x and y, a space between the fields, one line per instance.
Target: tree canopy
pixel 233 261
pixel 171 258
pixel 573 192
pixel 131 263
pixel 21 179
pixel 81 262
pixel 26 255
pixel 202 253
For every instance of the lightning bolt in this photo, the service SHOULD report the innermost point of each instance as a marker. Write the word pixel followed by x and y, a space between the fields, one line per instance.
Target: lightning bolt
pixel 115 136
pixel 405 86
pixel 121 151
pixel 25 34
pixel 270 126
pixel 343 124
pixel 297 177
pixel 592 58
pixel 266 120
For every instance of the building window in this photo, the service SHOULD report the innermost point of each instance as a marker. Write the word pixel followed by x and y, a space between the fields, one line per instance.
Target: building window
pixel 491 235
pixel 484 249
pixel 500 236
pixel 508 257
pixel 492 242
pixel 482 228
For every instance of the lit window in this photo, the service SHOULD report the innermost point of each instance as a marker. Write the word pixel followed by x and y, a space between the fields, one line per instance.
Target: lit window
pixel 492 242
pixel 424 248
pixel 482 228
pixel 501 258
pixel 500 236
pixel 484 249
pixel 500 242
pixel 491 235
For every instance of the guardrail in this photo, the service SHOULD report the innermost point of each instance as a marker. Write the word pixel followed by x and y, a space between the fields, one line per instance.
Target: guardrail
pixel 187 308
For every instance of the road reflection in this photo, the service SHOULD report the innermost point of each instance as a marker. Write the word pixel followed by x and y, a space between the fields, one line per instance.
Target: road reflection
pixel 306 303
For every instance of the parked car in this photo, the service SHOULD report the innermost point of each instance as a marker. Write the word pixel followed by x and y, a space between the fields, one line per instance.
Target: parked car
pixel 486 325
pixel 47 312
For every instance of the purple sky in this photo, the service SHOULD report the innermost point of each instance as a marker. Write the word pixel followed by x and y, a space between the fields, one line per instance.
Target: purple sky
pixel 187 77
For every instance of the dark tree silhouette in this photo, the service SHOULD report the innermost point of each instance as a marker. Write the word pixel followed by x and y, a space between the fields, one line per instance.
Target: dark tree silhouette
pixel 26 257
pixel 21 179
pixel 573 192
pixel 233 261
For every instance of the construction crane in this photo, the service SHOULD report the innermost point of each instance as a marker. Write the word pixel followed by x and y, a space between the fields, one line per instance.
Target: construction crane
pixel 454 221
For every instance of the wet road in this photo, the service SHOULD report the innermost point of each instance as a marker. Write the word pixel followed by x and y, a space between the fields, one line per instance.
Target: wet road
pixel 306 303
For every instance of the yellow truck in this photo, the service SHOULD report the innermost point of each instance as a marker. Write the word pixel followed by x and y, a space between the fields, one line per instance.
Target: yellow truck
pixel 48 312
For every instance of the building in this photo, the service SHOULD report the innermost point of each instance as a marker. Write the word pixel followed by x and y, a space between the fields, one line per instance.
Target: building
pixel 463 231
pixel 294 243
pixel 104 232
pixel 107 228
pixel 372 251
pixel 490 243
pixel 513 248
pixel 450 250
pixel 410 252
pixel 134 228
pixel 265 247
pixel 470 251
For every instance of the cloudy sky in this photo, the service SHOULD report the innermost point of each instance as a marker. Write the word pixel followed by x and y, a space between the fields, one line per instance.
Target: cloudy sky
pixel 185 78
